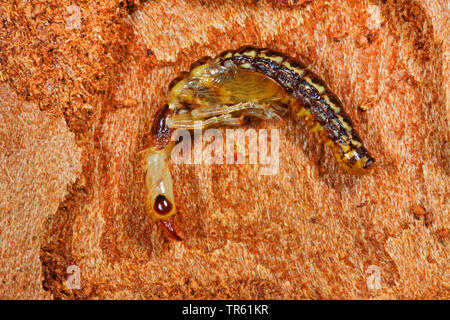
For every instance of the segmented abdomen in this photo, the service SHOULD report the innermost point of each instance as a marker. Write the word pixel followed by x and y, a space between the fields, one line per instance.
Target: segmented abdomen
pixel 316 103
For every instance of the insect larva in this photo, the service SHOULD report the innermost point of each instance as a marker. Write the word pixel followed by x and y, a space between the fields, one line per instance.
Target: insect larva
pixel 253 82
pixel 293 2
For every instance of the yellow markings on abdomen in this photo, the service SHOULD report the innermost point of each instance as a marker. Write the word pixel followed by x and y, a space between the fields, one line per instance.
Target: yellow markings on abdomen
pixel 299 72
pixel 319 88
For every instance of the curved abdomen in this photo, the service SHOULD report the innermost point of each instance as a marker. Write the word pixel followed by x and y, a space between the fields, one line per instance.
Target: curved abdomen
pixel 320 107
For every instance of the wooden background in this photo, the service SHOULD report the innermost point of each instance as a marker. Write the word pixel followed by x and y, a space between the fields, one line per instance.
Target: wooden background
pixel 80 86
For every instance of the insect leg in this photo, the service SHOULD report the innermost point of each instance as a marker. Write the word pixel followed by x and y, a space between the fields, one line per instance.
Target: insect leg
pixel 188 122
pixel 217 110
pixel 274 111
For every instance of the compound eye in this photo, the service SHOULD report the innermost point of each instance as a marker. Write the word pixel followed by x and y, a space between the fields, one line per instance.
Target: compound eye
pixel 162 206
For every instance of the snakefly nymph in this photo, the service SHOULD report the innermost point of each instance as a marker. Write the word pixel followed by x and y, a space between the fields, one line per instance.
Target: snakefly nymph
pixel 242 83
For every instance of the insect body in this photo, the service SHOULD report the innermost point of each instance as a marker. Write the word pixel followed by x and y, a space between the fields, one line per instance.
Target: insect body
pixel 293 2
pixel 247 82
